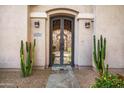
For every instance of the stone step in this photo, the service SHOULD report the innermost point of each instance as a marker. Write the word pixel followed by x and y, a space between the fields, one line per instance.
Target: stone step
pixel 55 68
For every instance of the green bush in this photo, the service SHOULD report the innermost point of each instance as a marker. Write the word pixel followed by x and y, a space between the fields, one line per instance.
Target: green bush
pixel 109 81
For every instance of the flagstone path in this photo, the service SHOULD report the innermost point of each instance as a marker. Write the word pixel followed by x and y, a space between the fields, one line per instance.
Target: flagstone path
pixel 62 77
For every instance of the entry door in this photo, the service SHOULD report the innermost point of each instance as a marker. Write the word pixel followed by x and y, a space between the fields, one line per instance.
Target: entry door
pixel 61 41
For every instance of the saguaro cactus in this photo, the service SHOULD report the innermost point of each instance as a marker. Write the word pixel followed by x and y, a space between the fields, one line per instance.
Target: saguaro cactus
pixel 26 67
pixel 99 54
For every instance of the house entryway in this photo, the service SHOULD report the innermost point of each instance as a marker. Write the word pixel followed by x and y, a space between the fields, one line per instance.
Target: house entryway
pixel 61 41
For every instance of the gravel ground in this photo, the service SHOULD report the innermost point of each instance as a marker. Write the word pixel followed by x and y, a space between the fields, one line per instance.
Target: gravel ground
pixel 117 71
pixel 86 76
pixel 38 79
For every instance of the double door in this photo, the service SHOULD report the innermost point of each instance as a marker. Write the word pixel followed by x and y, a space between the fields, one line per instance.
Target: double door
pixel 61 40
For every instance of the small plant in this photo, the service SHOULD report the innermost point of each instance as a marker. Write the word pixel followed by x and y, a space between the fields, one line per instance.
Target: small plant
pixel 99 53
pixel 26 67
pixel 109 81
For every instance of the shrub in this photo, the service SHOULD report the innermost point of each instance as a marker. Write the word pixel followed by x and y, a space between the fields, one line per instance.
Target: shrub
pixel 109 81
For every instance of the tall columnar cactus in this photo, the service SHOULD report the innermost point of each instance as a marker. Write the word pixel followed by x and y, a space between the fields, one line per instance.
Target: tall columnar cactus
pixel 23 69
pixel 99 54
pixel 26 67
pixel 33 53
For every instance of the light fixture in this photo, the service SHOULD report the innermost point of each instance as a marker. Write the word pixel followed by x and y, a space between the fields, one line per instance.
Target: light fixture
pixel 37 24
pixel 87 24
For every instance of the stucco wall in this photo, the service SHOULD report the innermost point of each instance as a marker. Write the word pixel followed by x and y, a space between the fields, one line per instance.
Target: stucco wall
pixel 13 29
pixel 109 21
pixel 80 8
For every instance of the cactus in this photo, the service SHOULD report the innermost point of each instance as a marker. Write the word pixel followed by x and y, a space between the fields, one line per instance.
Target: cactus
pixel 33 51
pixel 22 59
pixel 99 54
pixel 26 67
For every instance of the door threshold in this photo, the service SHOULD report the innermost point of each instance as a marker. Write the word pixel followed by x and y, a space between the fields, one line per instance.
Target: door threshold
pixel 64 67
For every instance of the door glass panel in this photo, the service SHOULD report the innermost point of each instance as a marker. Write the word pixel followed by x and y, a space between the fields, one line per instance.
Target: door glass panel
pixel 67 41
pixel 56 42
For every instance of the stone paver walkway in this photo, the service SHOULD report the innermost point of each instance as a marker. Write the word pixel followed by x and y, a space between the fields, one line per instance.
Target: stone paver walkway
pixel 62 77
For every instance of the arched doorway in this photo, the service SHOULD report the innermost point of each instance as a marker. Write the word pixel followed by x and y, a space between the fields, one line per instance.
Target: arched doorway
pixel 61 40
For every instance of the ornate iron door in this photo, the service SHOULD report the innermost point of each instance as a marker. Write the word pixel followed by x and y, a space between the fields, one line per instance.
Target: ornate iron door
pixel 61 41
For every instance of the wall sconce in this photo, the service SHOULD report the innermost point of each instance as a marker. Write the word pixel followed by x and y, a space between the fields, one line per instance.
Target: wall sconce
pixel 87 24
pixel 37 24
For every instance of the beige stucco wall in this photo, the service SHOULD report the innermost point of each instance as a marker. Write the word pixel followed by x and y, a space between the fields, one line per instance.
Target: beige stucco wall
pixel 80 8
pixel 109 21
pixel 13 29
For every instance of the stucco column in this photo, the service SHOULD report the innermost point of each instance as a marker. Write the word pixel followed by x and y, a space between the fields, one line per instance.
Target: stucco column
pixel 85 27
pixel 38 29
